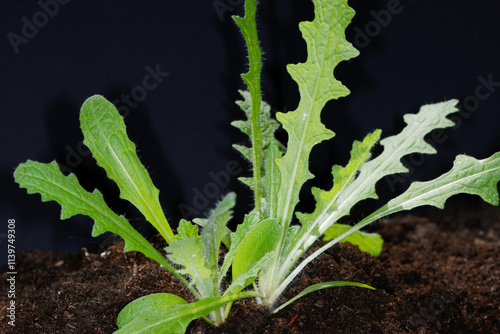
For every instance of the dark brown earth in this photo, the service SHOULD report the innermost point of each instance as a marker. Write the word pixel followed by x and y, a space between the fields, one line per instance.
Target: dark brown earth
pixel 436 274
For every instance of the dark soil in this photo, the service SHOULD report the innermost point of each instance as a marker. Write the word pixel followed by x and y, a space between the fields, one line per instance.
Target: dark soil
pixel 436 274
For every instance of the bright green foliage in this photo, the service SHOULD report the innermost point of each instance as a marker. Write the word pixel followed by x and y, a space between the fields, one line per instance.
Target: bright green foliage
pixel 176 318
pixel 269 249
pixel 106 137
pixel 259 241
pixel 48 181
pixel 367 242
pixel 148 305
pixel 326 48
pixel 248 27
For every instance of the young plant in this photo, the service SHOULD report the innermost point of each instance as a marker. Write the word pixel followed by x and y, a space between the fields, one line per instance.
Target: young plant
pixel 279 174
pixel 269 248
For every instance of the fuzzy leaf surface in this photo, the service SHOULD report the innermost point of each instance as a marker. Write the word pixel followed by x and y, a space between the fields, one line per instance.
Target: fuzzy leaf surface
pixel 189 253
pixel 326 48
pixel 251 219
pixel 48 181
pixel 248 27
pixel 259 241
pixel 105 135
pixel 467 176
pixel 410 140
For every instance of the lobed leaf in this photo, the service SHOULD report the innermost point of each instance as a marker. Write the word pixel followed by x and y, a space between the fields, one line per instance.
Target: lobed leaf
pixel 409 140
pixel 48 181
pixel 189 253
pixel 248 28
pixel 467 176
pixel 326 48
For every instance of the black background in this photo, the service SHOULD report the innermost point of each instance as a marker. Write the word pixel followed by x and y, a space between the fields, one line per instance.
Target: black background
pixel 429 51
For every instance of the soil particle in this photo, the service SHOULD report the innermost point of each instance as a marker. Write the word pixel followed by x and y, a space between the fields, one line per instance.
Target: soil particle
pixel 436 274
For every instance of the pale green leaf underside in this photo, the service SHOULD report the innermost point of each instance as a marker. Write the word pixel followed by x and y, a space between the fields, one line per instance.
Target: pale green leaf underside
pixel 326 48
pixel 48 181
pixel 105 135
pixel 410 140
pixel 467 176
pixel 367 242
pixel 326 201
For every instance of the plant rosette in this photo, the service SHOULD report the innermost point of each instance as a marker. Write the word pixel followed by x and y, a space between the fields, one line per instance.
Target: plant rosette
pixel 269 249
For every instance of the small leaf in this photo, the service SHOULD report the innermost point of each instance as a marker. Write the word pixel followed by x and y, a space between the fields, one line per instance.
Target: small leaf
pixel 178 317
pixel 259 241
pixel 105 135
pixel 215 230
pixel 148 305
pixel 186 230
pixel 249 222
pixel 321 286
pixel 367 242
pixel 249 275
pixel 189 254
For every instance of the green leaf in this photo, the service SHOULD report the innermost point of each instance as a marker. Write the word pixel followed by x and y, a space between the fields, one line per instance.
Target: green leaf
pixel 326 48
pixel 271 180
pixel 326 202
pixel 105 135
pixel 321 286
pixel 260 240
pixel 189 253
pixel 48 181
pixel 246 278
pixel 367 242
pixel 248 28
pixel 147 305
pixel 215 229
pixel 178 317
pixel 468 176
pixel 251 219
pixel 186 230
pixel 410 140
